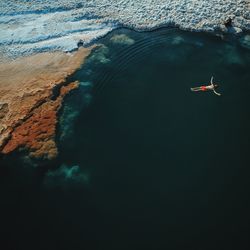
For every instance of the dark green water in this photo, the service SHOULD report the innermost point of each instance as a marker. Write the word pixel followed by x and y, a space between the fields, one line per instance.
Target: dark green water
pixel 144 162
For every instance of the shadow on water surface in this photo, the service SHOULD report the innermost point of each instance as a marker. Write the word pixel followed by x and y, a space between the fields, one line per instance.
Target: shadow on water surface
pixel 144 163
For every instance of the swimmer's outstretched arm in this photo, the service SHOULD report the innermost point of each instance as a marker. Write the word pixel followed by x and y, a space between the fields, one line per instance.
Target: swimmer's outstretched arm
pixel 211 81
pixel 216 93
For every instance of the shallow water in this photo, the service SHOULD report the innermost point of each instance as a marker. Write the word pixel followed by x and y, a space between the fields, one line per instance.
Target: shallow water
pixel 144 162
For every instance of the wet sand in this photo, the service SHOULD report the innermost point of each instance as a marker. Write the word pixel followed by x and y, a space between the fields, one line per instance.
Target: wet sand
pixel 28 105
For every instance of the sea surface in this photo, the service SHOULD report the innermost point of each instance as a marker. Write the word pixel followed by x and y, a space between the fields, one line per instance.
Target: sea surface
pixel 144 163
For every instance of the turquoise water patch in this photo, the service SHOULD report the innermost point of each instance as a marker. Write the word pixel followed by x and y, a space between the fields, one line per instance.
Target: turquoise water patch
pixel 100 55
pixel 72 108
pixel 66 176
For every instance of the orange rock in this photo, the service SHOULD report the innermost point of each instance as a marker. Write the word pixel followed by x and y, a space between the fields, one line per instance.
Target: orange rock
pixel 28 115
pixel 37 133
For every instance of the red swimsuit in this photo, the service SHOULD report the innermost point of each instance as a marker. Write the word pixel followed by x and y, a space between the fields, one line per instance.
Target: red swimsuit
pixel 203 88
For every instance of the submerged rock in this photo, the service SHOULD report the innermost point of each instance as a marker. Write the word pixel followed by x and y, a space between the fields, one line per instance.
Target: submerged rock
pixel 100 55
pixel 178 40
pixel 122 39
pixel 71 110
pixel 66 176
pixel 232 57
pixel 245 41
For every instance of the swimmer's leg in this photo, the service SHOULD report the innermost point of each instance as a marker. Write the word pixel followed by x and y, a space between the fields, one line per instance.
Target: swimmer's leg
pixel 196 89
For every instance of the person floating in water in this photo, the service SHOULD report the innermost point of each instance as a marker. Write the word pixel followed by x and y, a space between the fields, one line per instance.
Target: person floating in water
pixel 212 87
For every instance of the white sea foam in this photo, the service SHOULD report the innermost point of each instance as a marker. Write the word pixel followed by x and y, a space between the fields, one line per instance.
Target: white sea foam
pixel 29 26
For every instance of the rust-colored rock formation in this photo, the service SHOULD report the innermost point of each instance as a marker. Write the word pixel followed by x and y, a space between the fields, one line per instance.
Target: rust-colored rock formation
pixel 28 109
pixel 37 133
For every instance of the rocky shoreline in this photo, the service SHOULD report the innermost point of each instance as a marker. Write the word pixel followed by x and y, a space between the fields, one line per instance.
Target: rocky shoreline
pixel 28 106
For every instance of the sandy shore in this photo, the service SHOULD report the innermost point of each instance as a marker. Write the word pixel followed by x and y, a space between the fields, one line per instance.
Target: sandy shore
pixel 28 107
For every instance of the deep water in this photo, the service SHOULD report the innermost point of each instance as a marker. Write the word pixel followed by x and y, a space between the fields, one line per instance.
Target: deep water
pixel 144 162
